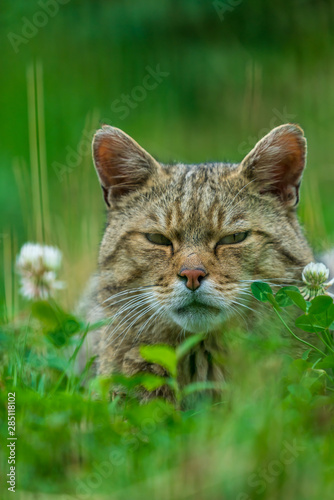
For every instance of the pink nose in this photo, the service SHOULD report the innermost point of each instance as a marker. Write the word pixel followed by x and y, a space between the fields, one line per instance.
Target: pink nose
pixel 193 277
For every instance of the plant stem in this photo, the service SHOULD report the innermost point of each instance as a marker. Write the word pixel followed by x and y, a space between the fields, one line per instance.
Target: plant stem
pixel 328 338
pixel 295 336
pixel 324 341
pixel 71 360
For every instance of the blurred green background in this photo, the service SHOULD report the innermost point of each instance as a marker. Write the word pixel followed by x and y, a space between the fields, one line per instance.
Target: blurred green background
pixel 231 71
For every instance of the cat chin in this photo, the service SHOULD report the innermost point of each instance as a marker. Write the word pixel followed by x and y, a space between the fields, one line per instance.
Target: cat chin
pixel 200 322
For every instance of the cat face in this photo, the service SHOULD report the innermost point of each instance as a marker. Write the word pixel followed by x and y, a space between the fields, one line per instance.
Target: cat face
pixel 189 239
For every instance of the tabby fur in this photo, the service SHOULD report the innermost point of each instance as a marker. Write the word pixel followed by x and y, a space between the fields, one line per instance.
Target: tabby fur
pixel 139 286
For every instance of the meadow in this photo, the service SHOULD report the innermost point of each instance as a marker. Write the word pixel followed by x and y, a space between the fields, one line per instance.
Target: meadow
pixel 218 81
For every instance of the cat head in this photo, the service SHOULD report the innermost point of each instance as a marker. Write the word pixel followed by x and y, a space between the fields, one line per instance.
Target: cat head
pixel 189 239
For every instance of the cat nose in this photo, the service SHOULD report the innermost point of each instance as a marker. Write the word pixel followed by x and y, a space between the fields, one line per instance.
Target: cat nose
pixel 194 277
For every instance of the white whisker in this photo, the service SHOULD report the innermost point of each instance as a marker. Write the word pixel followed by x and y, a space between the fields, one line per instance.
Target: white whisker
pixel 137 318
pixel 129 316
pixel 148 321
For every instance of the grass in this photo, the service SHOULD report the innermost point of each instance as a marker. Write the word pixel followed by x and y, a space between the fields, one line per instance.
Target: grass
pixel 271 434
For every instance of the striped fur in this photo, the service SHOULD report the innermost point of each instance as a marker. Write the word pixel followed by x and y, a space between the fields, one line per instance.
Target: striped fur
pixel 138 284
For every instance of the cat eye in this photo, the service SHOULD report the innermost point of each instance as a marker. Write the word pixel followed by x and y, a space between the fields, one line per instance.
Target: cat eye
pixel 158 239
pixel 231 239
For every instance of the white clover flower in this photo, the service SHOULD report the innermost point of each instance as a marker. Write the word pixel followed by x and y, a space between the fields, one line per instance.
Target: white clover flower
pixel 37 266
pixel 52 257
pixel 314 276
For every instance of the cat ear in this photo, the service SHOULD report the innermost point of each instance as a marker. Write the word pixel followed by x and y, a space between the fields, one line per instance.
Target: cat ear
pixel 121 164
pixel 277 162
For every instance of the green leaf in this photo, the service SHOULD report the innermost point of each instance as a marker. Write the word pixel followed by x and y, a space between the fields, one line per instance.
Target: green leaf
pixel 282 298
pixel 327 362
pixel 162 355
pixel 45 313
pixel 127 382
pixel 85 371
pixel 201 386
pixel 150 381
pixel 325 319
pixel 306 323
pixel 58 324
pixel 188 344
pixel 272 300
pixel 58 338
pixel 260 291
pixel 300 392
pixel 306 354
pixel 320 304
pixel 71 326
pixel 297 299
pixel 95 326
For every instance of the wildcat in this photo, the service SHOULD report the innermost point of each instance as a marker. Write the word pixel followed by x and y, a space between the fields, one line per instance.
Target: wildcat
pixel 184 242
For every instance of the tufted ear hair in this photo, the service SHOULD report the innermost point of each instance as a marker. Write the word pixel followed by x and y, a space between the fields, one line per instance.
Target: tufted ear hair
pixel 121 164
pixel 277 163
